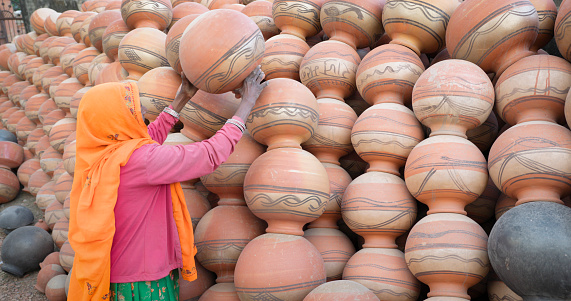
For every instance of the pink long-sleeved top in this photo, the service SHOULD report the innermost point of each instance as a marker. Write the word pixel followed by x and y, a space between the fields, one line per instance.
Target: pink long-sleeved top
pixel 146 246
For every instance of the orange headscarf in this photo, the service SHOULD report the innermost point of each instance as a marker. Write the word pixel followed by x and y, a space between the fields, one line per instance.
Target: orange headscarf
pixel 109 128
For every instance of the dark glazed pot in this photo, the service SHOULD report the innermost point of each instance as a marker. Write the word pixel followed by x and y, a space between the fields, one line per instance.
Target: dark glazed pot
pixel 15 217
pixel 24 249
pixel 530 247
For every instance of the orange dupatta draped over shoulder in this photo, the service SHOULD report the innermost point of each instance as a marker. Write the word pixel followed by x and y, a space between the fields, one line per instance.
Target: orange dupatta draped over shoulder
pixel 109 128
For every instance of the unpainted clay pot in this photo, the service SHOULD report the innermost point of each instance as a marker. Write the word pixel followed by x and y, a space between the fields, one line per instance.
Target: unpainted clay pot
pixel 14 217
pixel 298 18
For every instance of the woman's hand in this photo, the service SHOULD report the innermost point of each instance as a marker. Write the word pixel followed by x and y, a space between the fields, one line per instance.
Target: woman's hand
pixel 250 91
pixel 184 94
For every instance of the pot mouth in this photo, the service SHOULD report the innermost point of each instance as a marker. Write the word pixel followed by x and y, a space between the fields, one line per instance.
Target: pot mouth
pixel 12 269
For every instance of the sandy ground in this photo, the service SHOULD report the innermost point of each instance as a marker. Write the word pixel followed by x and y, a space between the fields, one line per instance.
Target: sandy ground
pixel 14 288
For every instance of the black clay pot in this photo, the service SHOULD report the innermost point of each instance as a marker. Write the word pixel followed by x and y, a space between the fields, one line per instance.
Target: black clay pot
pixel 24 248
pixel 8 136
pixel 15 217
pixel 530 250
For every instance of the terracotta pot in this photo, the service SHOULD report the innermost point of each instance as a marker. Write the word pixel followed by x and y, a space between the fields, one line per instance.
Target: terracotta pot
pixel 298 18
pixel 446 173
pixel 113 72
pixel 189 290
pixel 329 69
pixel 448 252
pixel 294 263
pixel 57 47
pixel 60 231
pixel 53 213
pixel 290 109
pixel 51 119
pixel 144 13
pixel 25 95
pixel 450 103
pixel 485 134
pixel 64 21
pixel 7 115
pixel 396 282
pixel 547 13
pixel 13 119
pixel 503 204
pixel 3 76
pixel 533 89
pixel 301 198
pixel 498 290
pixel 206 113
pixel 31 67
pixel 49 75
pixel 505 29
pixel 26 170
pixel 60 170
pixel 141 50
pixel 55 84
pixel 82 62
pixel 50 24
pixel 38 43
pixel 62 187
pixel 45 47
pixel 55 289
pixel 8 81
pixel 38 18
pixel 340 24
pixel 224 70
pixel 196 204
pixel 283 56
pixel 98 26
pixel 15 90
pixel 64 93
pixel 21 65
pixel 227 181
pixel 69 158
pixel 384 135
pixel 60 131
pixel 261 13
pixel 335 248
pixel 341 290
pixel 42 145
pixel 97 65
pixel 45 108
pixel 157 90
pixel 97 6
pixel 339 179
pixel 24 127
pixel 84 30
pixel 562 40
pixel 46 273
pixel 112 37
pixel 515 156
pixel 52 258
pixel 49 160
pixel 221 235
pixel 388 74
pixel 172 41
pixel 66 207
pixel 5 54
pixel 46 196
pixel 75 100
pixel 483 208
pixel 38 179
pixel 28 42
pixel 220 292
pixel 66 255
pixel 186 9
pixel 77 23
pixel 9 185
pixel 217 4
pixel 113 4
pixel 68 56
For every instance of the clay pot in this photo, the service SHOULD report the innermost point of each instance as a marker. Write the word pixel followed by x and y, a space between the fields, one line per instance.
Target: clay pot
pixel 53 213
pixel 55 84
pixel 77 23
pixel 335 248
pixel 67 206
pixel 562 40
pixel 332 138
pixel 97 65
pixel 533 89
pixel 55 289
pixel 329 68
pixel 5 55
pixel 31 67
pixel 196 204
pixel 42 225
pixel 12 155
pixel 60 131
pixel 96 6
pixel 13 119
pixel 217 4
pixel 46 273
pixel 261 13
pixel 220 291
pixel 68 56
pixel 49 160
pixel 206 113
pixel 75 100
pixel 298 18
pixel 483 208
pixel 498 290
pixel 50 24
pixel 519 235
pixel 448 253
pixel 51 118
pixel 157 90
pixel 24 248
pixel 53 258
pixel 294 263
pixel 450 103
pixel 388 74
pixel 286 207
pixel 98 26
pixel 38 18
pixel 187 9
pixel 62 187
pixel 505 29
pixel 45 47
pixel 234 31
pixel 38 179
pixel 64 21
pixel 66 255
pixel 547 13
pixel 446 173
pixel 84 30
pixel 38 43
pixel 172 42
pixel 143 13
pixel 82 62
pixel 42 145
pixel 189 290
pixel 341 290
pixel 64 93
pixel 50 75
pixel 15 90
pixel 46 196
pixel 26 170
pixel 60 231
pixel 57 47
pixel 485 134
pixel 113 72
pixel 9 185
pixel 284 53
pixel 9 81
pixel 515 155
pixel 396 282
pixel 14 217
pixel 227 181
pixel 25 95
pixel 141 50
pixel 340 24
pixel 112 37
pixel 69 158
pixel 339 179
pixel 24 127
pixel 7 115
pixel 45 108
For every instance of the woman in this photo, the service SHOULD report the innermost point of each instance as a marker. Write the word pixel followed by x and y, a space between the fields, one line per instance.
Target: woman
pixel 129 225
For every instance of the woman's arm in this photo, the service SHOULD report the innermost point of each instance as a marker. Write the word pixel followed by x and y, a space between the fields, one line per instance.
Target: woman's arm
pixel 160 128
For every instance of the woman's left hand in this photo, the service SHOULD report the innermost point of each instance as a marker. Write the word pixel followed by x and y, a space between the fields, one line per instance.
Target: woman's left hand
pixel 184 94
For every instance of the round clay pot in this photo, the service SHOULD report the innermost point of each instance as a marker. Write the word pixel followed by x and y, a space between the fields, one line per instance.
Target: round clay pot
pixel 24 127
pixel 144 13
pixel 46 273
pixel 533 89
pixel 341 290
pixel 51 118
pixel 26 170
pixel 396 282
pixel 261 13
pixel 24 248
pixel 329 70
pixel 15 90
pixel 25 95
pixel 446 173
pixel 141 50
pixel 97 65
pixel 84 30
pixel 52 258
pixel 57 47
pixel 418 25
pixel 388 74
pixel 60 231
pixel 42 145
pixel 563 40
pixel 356 23
pixel 186 9
pixel 450 103
pixel 55 289
pixel 60 131
pixel 63 187
pixel 112 37
pixel 98 26
pixel 38 18
pixel 113 72
pixel 5 55
pixel 335 248
pixel 69 158
pixel 9 81
pixel 68 56
pixel 172 41
pixel 45 108
pixel 31 67
pixel 50 75
pixel 49 160
pixel 157 90
pixel 339 179
pixel 189 290
pixel 7 115
pixel 498 290
pixel 45 196
pixel 38 179
pixel 82 62
pixel 298 18
pixel 97 6
pixel 13 119
pixel 547 13
pixel 515 155
pixel 38 43
pixel 65 91
pixel 505 30
pixel 483 208
pixel 224 70
pixel 519 235
pixel 220 291
pixel 28 42
pixel 448 252
pixel 113 4
pixel 50 24
pixel 53 213
pixel 12 155
pixel 283 56
pixel 77 23
pixel 294 263
pixel 45 47
pixel 378 207
pixel 297 200
pixel 75 100
pixel 9 185
pixel 14 217
pixel 567 109
pixel 485 134
pixel 66 255
pixel 64 21
pixel 285 114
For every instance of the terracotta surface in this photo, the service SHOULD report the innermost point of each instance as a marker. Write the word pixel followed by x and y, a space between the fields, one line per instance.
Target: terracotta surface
pixel 217 4
pixel 498 290
pixel 145 13
pixel 75 100
pixel 113 72
pixel 60 231
pixel 82 62
pixel 98 26
pixel 60 131
pixel 57 47
pixel 172 42
pixel 483 208
pixel 97 65
pixel 298 18
pixel 47 273
pixel 283 56
pixel 24 127
pixel 84 31
pixel 45 196
pixel 141 50
pixel 112 37
pixel 45 108
pixel 261 13
pixel 65 91
pixel 157 90
pixel 49 75
pixel 49 160
pixel 55 289
pixel 221 292
pixel 50 24
pixel 189 290
pixel 341 290
pixel 64 21
pixel 69 157
pixel 547 13
pixel 77 23
pixel 38 179
pixel 9 185
pixel 484 135
pixel 68 56
pixel 26 170
pixel 335 248
pixel 66 255
pixel 38 42
pixel 339 179
pixel 185 9
pixel 38 18
pixel 51 118
pixel 562 22
pixel 31 67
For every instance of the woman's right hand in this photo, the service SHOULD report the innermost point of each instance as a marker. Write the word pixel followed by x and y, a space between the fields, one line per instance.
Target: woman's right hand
pixel 250 91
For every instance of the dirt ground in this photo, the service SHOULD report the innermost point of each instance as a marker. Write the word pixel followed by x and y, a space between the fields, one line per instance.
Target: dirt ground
pixel 14 288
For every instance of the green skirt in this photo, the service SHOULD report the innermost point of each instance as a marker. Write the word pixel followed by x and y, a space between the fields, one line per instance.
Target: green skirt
pixel 163 289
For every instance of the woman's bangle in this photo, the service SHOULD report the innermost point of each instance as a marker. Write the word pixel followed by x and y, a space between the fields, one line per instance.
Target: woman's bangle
pixel 171 112
pixel 241 126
